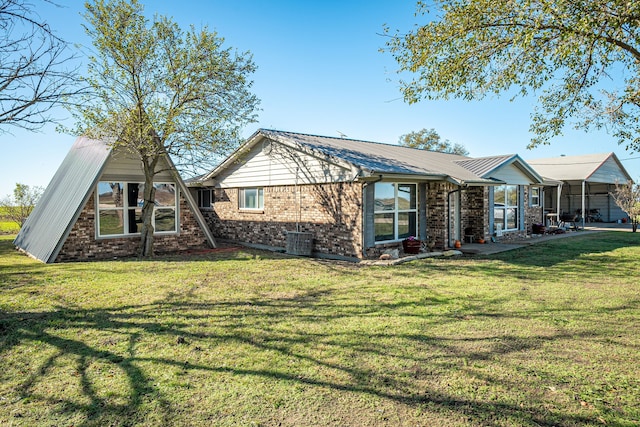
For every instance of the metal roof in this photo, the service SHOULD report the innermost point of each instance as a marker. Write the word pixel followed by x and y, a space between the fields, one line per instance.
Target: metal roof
pixel 44 232
pixel 368 158
pixel 46 229
pixel 577 168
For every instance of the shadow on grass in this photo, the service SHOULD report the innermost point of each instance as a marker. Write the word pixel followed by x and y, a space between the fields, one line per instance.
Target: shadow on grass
pixel 255 324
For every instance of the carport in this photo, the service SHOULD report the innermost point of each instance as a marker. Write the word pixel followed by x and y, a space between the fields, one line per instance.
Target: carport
pixel 584 186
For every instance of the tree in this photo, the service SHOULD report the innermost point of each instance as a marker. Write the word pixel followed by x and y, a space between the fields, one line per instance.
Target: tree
pixel 19 207
pixel 428 139
pixel 34 77
pixel 159 91
pixel 569 53
pixel 627 197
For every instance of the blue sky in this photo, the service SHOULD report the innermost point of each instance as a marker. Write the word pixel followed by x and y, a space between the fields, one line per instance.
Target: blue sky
pixel 320 71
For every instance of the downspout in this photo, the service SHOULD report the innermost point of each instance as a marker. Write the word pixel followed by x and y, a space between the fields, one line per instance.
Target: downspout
pixel 364 216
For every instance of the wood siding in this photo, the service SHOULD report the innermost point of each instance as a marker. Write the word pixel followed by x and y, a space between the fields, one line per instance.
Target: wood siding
pixel 281 165
pixel 126 167
pixel 511 175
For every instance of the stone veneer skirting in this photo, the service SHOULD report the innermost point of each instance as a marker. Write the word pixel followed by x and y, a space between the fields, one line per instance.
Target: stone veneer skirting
pixel 82 245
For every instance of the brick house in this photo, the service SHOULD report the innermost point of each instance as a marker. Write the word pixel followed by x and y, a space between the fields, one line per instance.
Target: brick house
pixel 92 209
pixel 357 198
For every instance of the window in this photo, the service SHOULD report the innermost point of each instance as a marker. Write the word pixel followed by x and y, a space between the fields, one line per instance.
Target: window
pixel 251 198
pixel 205 198
pixel 395 211
pixel 120 215
pixel 505 207
pixel 534 197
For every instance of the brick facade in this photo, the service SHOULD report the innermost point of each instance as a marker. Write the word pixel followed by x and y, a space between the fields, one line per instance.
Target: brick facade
pixel 332 212
pixel 475 212
pixel 82 245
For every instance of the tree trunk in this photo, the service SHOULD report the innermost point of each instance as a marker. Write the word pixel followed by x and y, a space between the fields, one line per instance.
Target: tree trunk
pixel 147 230
pixel 634 226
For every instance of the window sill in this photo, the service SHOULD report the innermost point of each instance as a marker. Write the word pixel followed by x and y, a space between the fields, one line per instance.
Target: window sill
pixel 251 211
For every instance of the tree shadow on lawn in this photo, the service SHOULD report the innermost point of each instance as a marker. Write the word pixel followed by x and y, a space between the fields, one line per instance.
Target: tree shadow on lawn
pixel 368 363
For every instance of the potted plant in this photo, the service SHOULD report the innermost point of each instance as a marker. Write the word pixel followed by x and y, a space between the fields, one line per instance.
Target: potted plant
pixel 411 245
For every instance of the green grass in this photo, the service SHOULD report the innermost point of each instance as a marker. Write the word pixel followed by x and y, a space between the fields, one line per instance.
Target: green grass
pixel 546 335
pixel 8 227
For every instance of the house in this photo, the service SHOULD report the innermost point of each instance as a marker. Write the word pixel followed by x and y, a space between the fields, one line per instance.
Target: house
pixel 358 198
pixel 584 184
pixel 92 209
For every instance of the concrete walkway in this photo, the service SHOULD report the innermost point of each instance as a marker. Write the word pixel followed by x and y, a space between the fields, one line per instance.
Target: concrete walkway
pixel 493 248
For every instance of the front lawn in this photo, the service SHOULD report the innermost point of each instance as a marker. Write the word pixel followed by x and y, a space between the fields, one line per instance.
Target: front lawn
pixel 548 335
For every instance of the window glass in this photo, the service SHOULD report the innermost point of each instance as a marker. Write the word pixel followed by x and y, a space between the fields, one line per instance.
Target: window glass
pixel 499 195
pixel 535 196
pixel 512 195
pixel 252 198
pixel 111 222
pixel 110 194
pixel 505 209
pixel 385 196
pixel 406 196
pixel 395 212
pixel 406 224
pixel 120 208
pixel 165 195
pixel 384 225
pixel 165 220
pixel 205 198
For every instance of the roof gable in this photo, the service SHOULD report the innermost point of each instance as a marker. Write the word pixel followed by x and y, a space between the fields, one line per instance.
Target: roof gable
pixel 602 167
pixel 364 158
pixel 46 229
pixel 509 168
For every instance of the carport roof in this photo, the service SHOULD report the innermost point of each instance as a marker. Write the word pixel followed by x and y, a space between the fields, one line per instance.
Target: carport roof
pixel 603 167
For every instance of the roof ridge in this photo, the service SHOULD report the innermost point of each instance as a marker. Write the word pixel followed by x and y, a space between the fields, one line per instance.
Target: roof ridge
pixel 388 144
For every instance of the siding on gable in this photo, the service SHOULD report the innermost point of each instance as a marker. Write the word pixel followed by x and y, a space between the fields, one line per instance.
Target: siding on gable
pixel 511 175
pixel 281 166
pixel 125 167
pixel 608 172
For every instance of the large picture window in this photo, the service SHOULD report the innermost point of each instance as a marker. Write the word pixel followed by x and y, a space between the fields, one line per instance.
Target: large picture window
pixel 395 211
pixel 251 198
pixel 505 207
pixel 120 208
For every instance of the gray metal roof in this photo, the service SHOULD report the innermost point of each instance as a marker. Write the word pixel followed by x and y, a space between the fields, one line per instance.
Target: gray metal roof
pixel 485 166
pixel 44 232
pixel 48 226
pixel 370 158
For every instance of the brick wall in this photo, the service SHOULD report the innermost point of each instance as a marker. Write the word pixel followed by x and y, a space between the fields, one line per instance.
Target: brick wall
pixel 81 244
pixel 437 214
pixel 475 212
pixel 332 212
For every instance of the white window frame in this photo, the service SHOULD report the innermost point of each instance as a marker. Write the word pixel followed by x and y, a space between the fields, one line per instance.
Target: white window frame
pixel 507 207
pixel 259 199
pixel 126 207
pixel 537 197
pixel 396 212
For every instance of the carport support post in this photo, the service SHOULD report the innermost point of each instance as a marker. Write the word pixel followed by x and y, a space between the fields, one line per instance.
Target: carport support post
pixel 558 205
pixel 583 204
